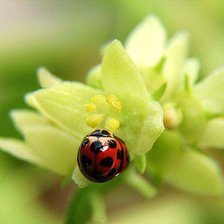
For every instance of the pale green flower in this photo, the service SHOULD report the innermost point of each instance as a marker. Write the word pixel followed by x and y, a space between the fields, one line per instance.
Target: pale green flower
pixel 67 111
pixel 193 111
pixel 124 94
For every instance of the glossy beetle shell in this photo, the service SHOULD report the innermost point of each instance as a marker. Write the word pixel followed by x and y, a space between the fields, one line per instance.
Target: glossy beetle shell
pixel 102 156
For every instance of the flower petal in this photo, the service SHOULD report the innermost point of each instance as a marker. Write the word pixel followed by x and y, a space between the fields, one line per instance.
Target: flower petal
pixel 51 145
pixel 195 172
pixel 119 74
pixel 24 118
pixel 46 79
pixel 18 149
pixel 145 44
pixel 140 129
pixel 210 92
pixel 94 77
pixel 194 118
pixel 191 69
pixel 142 121
pixel 212 136
pixel 174 61
pixel 185 168
pixel 146 133
pixel 64 106
pixel 56 149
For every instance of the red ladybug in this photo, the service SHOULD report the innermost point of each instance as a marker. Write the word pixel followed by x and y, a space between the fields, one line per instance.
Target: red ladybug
pixel 102 156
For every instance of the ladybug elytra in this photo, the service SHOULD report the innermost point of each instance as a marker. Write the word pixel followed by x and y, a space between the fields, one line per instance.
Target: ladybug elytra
pixel 102 156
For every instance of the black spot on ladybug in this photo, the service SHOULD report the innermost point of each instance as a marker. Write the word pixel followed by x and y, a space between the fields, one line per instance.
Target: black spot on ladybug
pixel 122 160
pixel 96 133
pixel 97 176
pixel 105 132
pixel 86 163
pixel 100 133
pixel 107 162
pixel 120 167
pixel 112 172
pixel 96 147
pixel 112 144
pixel 120 154
pixel 85 142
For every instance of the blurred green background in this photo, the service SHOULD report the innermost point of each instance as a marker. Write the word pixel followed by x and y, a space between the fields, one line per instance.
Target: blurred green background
pixel 66 37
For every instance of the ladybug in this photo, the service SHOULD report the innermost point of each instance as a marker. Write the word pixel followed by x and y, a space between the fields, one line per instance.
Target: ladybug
pixel 102 156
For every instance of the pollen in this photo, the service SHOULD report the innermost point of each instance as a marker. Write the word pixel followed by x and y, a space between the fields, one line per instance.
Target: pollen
pixel 114 102
pixel 102 112
pixel 112 124
pixel 99 99
pixel 90 107
pixel 94 120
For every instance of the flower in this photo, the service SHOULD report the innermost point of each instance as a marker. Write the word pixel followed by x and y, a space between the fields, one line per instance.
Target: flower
pixel 193 109
pixel 133 92
pixel 67 111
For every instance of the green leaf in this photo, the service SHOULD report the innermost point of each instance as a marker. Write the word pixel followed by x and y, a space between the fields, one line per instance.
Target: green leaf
pixel 46 79
pixel 56 149
pixel 18 149
pixel 64 106
pixel 212 136
pixel 185 168
pixel 145 44
pixel 175 56
pixel 210 92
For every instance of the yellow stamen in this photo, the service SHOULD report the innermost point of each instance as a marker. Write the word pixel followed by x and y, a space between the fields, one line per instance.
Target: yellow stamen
pixel 114 102
pixel 101 110
pixel 93 120
pixel 90 107
pixel 112 124
pixel 99 99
